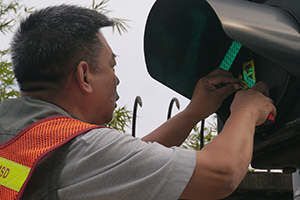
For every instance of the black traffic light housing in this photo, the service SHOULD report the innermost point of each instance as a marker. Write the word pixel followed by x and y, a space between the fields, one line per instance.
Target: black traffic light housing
pixel 185 40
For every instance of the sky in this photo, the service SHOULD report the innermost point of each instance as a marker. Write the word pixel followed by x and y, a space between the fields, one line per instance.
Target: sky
pixel 131 68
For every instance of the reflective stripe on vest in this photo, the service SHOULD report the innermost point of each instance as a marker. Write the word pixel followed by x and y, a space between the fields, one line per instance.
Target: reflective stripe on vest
pixel 20 155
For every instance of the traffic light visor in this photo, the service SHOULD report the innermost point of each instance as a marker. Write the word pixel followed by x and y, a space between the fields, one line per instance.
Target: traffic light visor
pixel 182 41
pixel 185 40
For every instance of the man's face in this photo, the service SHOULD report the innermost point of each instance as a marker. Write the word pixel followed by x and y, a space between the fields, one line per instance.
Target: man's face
pixel 104 85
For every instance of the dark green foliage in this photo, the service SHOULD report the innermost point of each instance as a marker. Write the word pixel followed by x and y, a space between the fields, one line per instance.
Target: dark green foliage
pixel 120 24
pixel 193 140
pixel 8 87
pixel 121 118
pixel 9 13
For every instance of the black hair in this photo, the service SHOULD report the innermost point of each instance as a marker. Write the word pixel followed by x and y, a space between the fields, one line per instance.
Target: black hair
pixel 51 42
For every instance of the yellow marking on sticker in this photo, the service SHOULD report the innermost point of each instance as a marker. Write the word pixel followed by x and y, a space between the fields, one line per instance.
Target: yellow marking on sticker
pixel 243 83
pixel 249 73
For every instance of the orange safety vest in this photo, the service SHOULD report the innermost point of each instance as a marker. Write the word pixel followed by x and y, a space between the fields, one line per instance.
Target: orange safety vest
pixel 20 155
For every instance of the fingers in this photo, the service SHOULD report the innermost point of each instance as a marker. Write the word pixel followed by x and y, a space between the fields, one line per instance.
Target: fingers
pixel 273 111
pixel 221 79
pixel 227 90
pixel 220 71
pixel 223 82
pixel 269 108
pixel 255 102
pixel 272 108
pixel 255 99
pixel 219 76
pixel 262 87
pixel 208 97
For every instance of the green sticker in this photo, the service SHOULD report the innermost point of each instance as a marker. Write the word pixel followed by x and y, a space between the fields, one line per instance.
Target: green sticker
pixel 230 55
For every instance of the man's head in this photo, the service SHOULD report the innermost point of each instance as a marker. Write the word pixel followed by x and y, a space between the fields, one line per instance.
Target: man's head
pixel 51 42
pixel 59 56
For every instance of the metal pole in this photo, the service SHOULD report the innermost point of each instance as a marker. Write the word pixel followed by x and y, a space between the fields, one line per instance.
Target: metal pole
pixel 138 101
pixel 171 106
pixel 202 134
pixel 296 185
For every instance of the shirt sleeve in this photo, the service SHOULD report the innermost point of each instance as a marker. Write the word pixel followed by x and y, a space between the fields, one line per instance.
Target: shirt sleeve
pixel 107 164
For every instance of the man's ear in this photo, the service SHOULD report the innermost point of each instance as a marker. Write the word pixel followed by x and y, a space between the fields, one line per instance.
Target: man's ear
pixel 83 77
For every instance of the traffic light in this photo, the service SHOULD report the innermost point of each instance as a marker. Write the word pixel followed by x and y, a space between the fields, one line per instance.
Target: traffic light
pixel 185 40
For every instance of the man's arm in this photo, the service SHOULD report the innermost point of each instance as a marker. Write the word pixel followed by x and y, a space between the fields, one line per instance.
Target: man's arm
pixel 223 163
pixel 207 98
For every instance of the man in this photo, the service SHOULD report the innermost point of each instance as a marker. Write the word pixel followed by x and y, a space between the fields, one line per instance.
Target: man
pixel 65 67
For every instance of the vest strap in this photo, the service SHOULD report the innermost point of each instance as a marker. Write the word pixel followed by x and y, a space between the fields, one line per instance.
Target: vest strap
pixel 20 155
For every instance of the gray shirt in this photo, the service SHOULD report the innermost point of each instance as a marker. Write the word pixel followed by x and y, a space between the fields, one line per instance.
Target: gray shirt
pixel 100 164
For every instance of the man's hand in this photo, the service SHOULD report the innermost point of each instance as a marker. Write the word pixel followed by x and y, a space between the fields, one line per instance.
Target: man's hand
pixel 254 101
pixel 207 99
pixel 211 90
pixel 223 162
